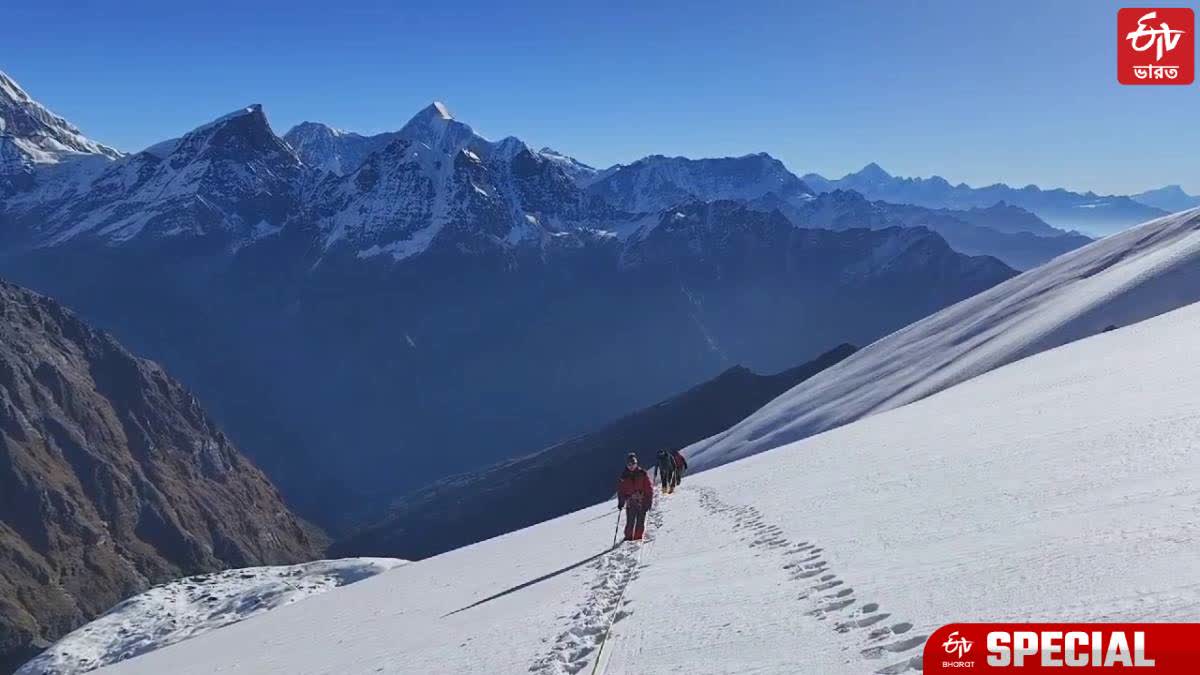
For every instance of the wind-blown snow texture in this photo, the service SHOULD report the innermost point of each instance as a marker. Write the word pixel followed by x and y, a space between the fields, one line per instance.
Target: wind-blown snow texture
pixel 1125 278
pixel 192 606
pixel 1066 481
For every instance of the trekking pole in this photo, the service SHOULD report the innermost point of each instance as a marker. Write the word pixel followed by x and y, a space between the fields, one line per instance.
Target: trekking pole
pixel 617 529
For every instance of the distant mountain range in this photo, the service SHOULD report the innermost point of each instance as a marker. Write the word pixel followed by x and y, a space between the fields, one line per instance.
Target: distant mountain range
pixel 112 478
pixel 1170 198
pixel 1015 236
pixel 366 314
pixel 1089 212
pixel 570 475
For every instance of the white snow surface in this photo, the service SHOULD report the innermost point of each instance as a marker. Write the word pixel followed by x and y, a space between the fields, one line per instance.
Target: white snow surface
pixel 1125 278
pixel 193 606
pixel 1060 487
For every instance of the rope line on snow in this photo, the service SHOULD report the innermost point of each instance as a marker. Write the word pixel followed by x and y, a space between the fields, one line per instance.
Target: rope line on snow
pixel 617 606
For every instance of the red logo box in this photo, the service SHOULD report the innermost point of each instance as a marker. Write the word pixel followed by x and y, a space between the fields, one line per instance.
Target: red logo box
pixel 1156 45
pixel 1031 648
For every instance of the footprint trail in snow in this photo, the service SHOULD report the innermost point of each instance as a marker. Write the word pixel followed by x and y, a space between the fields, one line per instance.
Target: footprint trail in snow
pixel 827 596
pixel 574 648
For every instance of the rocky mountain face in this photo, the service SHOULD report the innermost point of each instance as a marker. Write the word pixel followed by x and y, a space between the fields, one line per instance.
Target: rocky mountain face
pixel 451 300
pixel 112 478
pixel 1088 212
pixel 570 475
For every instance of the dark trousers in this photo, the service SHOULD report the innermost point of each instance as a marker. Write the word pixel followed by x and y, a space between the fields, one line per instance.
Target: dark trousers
pixel 668 479
pixel 635 521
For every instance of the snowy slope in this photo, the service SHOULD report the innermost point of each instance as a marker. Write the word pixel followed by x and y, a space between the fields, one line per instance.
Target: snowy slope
pixel 36 135
pixel 581 173
pixel 1125 278
pixel 189 607
pixel 1061 487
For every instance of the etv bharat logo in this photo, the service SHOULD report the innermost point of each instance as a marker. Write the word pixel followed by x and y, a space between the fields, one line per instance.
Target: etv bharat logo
pixel 1156 45
pixel 958 646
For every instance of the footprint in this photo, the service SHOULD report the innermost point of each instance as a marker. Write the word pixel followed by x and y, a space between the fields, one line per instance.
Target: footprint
pixel 895 647
pixel 872 620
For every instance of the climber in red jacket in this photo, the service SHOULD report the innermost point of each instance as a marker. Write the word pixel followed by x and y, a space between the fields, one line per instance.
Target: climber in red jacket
pixel 635 490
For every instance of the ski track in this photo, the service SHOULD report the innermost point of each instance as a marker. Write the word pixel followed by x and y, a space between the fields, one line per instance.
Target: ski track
pixel 827 596
pixel 604 605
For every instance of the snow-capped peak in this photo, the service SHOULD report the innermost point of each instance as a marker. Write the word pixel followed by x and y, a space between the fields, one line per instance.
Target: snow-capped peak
pixel 581 173
pixel 252 114
pixel 434 112
pixel 38 135
pixel 231 177
pixel 318 128
pixel 11 90
pixel 433 127
pixel 657 182
pixel 250 122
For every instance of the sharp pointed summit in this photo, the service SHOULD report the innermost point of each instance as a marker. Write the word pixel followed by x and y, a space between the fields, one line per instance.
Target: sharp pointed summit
pixel 442 110
pixel 434 112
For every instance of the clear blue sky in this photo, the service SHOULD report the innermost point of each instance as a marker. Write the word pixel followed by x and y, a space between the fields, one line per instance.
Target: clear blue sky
pixel 976 91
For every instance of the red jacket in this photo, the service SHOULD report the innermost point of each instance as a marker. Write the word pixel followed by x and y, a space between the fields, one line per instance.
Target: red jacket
pixel 635 487
pixel 680 462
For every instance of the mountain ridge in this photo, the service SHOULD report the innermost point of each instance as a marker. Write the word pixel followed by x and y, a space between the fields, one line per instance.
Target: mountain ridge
pixel 1100 214
pixel 568 475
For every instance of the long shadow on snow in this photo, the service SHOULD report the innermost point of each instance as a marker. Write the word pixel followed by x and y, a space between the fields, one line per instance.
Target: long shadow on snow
pixel 527 584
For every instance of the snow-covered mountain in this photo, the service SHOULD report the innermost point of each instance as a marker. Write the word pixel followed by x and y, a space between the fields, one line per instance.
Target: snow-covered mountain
pixel 1088 212
pixel 439 175
pixel 479 268
pixel 31 134
pixel 192 606
pixel 1114 282
pixel 581 173
pixel 232 179
pixel 656 182
pixel 450 272
pixel 1067 481
pixel 1171 198
pixel 330 150
pixel 33 140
